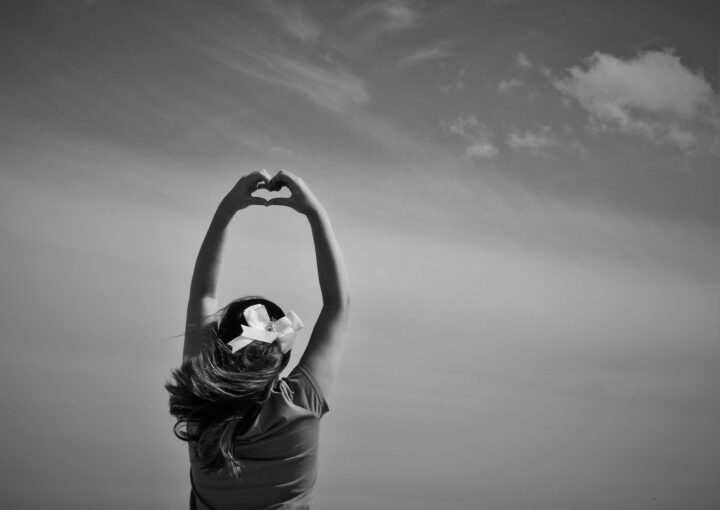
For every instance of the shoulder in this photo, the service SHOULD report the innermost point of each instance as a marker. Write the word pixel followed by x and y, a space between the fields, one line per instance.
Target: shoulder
pixel 306 391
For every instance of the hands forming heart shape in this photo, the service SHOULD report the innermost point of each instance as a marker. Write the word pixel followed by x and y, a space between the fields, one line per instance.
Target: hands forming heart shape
pixel 301 199
pixel 272 184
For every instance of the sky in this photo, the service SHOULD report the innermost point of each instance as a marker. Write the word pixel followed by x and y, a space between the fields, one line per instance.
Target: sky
pixel 526 194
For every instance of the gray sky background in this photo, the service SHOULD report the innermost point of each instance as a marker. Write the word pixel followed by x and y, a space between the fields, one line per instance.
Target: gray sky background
pixel 526 194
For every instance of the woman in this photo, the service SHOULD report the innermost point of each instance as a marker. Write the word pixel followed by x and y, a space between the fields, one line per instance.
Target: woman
pixel 253 437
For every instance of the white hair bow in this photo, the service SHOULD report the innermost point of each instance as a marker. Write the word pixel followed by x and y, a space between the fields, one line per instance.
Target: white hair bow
pixel 261 328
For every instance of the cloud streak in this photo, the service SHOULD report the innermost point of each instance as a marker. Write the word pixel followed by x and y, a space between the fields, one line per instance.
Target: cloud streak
pixel 293 20
pixel 333 89
pixel 436 51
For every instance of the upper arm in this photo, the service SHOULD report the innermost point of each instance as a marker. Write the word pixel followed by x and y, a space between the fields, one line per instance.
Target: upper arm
pixel 324 350
pixel 200 313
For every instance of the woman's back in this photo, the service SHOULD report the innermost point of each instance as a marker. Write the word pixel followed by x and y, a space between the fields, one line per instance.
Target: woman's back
pixel 278 453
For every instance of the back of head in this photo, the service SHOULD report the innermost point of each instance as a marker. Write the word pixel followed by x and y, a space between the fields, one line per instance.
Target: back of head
pixel 217 395
pixel 258 357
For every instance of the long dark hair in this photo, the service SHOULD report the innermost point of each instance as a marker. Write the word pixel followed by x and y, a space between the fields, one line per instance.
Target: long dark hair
pixel 217 395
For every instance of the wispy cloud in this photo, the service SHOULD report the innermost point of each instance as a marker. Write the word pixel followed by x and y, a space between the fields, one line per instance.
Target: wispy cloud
pixel 293 20
pixel 681 137
pixel 395 14
pixel 458 84
pixel 281 151
pixel 511 84
pixel 297 56
pixel 328 88
pixel 533 140
pixel 436 51
pixel 478 136
pixel 652 95
pixel 365 26
pixel 387 16
pixel 334 89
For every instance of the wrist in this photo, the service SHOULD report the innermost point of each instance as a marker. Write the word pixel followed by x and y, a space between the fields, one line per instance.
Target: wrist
pixel 316 212
pixel 226 209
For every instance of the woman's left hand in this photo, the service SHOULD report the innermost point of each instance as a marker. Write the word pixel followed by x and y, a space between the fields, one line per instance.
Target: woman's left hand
pixel 241 197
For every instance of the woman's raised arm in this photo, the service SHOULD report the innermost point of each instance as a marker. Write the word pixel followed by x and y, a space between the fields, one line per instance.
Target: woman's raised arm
pixel 202 304
pixel 324 349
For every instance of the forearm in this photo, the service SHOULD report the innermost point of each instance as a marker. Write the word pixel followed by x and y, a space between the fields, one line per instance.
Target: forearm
pixel 202 305
pixel 207 266
pixel 332 274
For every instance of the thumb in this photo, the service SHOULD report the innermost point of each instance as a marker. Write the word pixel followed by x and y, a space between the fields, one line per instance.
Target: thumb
pixel 257 201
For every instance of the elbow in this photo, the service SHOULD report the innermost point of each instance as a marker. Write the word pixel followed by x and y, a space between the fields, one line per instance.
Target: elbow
pixel 339 305
pixel 344 297
pixel 345 302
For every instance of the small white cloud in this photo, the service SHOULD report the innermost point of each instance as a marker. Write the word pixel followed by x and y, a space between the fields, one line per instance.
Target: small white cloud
pixel 511 84
pixel 465 125
pixel 652 95
pixel 481 150
pixel 522 60
pixel 533 140
pixel 654 81
pixel 479 136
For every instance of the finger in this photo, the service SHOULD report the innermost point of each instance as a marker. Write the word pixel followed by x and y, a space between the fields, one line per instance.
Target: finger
pixel 265 179
pixel 282 179
pixel 274 183
pixel 280 201
pixel 255 178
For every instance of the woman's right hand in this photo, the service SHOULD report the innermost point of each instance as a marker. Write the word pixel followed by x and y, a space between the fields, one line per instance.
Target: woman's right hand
pixel 241 197
pixel 301 199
